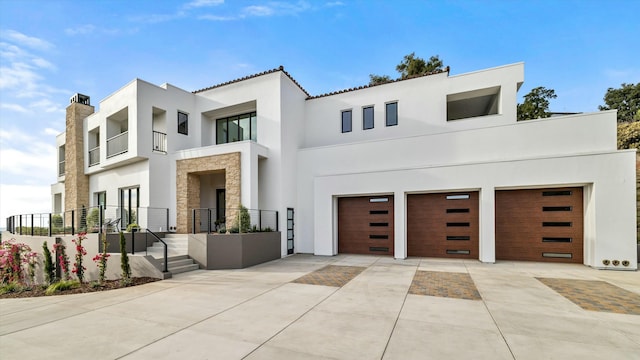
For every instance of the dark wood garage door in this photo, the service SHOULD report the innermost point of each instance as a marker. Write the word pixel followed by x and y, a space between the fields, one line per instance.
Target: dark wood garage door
pixel 539 225
pixel 365 225
pixel 443 225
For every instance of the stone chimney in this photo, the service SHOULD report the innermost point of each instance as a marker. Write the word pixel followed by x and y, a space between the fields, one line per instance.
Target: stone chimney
pixel 76 183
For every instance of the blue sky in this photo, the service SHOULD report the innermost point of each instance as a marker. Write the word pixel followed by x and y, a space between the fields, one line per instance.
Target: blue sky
pixel 50 50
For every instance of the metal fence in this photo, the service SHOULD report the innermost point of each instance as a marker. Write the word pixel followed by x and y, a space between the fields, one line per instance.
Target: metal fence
pixel 233 220
pixel 91 220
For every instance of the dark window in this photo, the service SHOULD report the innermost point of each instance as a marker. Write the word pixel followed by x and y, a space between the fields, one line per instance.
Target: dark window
pixel 557 193
pixel 237 128
pixel 367 118
pixel 183 123
pixel 391 113
pixel 346 121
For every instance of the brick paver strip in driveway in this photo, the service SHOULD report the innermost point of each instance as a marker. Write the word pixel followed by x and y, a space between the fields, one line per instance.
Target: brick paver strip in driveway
pixel 596 295
pixel 444 284
pixel 331 275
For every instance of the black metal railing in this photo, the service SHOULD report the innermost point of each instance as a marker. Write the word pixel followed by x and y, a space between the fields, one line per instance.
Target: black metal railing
pixel 96 219
pixel 159 142
pixel 166 264
pixel 234 220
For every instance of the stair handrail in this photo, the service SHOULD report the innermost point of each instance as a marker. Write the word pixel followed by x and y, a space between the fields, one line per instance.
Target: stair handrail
pixel 166 263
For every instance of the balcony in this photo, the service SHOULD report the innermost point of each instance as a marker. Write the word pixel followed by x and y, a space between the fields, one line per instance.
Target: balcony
pixel 160 142
pixel 94 156
pixel 61 168
pixel 118 144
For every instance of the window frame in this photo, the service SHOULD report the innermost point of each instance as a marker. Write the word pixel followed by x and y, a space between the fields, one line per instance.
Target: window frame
pixel 386 113
pixel 342 120
pixel 186 123
pixel 252 122
pixel 364 117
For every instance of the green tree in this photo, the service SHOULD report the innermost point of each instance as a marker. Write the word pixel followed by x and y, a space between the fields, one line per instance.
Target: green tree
pixel 536 104
pixel 379 79
pixel 124 261
pixel 629 135
pixel 410 66
pixel 626 100
pixel 49 270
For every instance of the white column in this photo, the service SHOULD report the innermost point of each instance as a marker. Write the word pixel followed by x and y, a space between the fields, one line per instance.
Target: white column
pixel 399 223
pixel 487 224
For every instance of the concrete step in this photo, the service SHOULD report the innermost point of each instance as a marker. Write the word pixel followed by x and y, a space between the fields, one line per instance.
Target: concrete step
pixel 177 263
pixel 183 269
pixel 180 264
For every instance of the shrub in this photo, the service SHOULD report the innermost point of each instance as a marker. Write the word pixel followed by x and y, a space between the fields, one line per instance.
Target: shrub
pixel 124 261
pixel 78 268
pixel 49 271
pixel 101 259
pixel 132 226
pixel 62 286
pixel 10 287
pixel 244 220
pixel 12 256
pixel 63 259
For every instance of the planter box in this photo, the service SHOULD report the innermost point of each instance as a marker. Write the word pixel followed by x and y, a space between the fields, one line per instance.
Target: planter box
pixel 234 251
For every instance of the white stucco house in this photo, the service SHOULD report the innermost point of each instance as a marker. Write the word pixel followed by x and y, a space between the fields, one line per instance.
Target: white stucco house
pixel 431 166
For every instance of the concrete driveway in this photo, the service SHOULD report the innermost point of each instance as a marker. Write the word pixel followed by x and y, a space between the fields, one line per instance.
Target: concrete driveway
pixel 341 307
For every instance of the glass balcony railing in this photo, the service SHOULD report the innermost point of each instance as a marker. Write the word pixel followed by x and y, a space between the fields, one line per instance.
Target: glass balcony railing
pixel 118 144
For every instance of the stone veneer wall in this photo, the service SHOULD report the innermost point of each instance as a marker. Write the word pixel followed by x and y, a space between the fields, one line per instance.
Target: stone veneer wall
pixel 188 173
pixel 76 183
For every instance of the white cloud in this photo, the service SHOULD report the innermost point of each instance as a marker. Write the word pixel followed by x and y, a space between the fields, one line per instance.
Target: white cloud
pixel 27 151
pixel 273 8
pixel 158 18
pixel 334 3
pixel 258 10
pixel 203 3
pixel 217 17
pixel 42 63
pixel 24 199
pixel 14 107
pixel 80 30
pixel 28 41
pixel 26 158
pixel 47 105
pixel 52 132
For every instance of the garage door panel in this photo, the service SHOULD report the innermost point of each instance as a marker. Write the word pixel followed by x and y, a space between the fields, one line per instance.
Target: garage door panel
pixel 365 225
pixel 540 225
pixel 443 225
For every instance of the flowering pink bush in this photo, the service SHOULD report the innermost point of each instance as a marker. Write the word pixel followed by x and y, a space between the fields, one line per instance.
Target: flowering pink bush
pixel 12 258
pixel 78 268
pixel 63 259
pixel 101 262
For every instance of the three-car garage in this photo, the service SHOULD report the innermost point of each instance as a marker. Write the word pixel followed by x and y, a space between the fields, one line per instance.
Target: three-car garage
pixel 530 224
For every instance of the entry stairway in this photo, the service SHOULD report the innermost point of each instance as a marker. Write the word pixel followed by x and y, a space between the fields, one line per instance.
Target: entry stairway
pixel 177 253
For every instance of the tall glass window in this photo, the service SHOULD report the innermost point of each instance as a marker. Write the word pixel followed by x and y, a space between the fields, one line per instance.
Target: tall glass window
pixel 183 123
pixel 346 121
pixel 391 114
pixel 237 128
pixel 129 203
pixel 367 117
